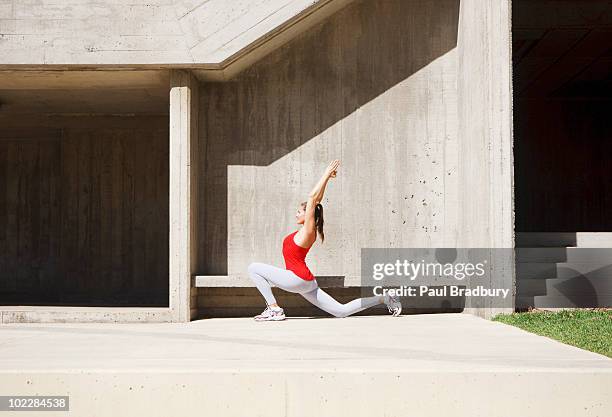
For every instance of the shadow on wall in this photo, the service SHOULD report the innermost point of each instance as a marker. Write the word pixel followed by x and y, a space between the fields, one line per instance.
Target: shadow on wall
pixel 308 85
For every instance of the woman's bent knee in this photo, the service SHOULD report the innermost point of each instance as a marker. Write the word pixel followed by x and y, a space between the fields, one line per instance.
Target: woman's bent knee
pixel 253 267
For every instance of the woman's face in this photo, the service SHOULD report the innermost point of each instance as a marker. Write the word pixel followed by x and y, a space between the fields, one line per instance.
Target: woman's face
pixel 299 215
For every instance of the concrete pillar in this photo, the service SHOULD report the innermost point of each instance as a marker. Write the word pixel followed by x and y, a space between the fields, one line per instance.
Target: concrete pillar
pixel 183 154
pixel 484 90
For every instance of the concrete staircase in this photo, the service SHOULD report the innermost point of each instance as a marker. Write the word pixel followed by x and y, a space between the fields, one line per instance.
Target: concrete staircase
pixel 564 270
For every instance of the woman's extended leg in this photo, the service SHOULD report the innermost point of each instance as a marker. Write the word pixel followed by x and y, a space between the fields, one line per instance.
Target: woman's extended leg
pixel 325 302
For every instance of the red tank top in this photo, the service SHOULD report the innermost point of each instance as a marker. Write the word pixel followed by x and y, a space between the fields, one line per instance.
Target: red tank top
pixel 295 258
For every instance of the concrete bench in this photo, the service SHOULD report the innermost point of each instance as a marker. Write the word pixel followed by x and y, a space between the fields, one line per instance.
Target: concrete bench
pixel 231 296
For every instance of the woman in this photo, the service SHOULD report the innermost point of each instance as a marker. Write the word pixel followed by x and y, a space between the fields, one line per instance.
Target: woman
pixel 297 277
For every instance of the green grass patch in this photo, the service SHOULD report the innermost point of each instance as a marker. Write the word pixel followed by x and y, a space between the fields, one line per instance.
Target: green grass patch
pixel 589 329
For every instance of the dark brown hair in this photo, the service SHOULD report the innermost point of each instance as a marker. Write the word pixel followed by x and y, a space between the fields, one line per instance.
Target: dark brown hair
pixel 318 215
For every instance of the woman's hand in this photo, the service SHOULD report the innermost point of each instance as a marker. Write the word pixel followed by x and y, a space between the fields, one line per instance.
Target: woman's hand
pixel 332 168
pixel 316 195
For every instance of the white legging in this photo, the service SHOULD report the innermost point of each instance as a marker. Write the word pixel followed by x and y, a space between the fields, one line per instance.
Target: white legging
pixel 263 275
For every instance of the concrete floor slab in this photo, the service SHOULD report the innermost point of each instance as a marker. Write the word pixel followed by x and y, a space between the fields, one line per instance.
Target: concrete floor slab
pixel 452 342
pixel 427 363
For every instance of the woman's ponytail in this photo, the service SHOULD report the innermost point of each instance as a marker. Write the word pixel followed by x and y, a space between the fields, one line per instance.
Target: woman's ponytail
pixel 318 215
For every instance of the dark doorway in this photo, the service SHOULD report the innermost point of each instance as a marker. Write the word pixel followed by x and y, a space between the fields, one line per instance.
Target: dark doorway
pixel 562 61
pixel 84 189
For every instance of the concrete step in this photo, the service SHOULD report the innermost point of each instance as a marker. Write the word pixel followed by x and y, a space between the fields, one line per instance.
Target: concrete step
pixel 577 301
pixel 535 270
pixel 566 287
pixel 564 255
pixel 563 239
pixel 546 270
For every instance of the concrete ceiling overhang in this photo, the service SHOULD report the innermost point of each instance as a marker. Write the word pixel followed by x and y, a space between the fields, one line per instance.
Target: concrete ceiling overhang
pixel 216 39
pixel 562 49
pixel 89 92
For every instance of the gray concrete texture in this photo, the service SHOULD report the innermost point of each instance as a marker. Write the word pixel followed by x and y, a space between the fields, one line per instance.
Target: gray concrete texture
pixel 418 109
pixel 426 365
pixel 117 32
pixel 413 96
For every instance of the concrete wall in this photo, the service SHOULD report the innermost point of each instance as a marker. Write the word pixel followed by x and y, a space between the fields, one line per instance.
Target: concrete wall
pixel 381 97
pixel 426 150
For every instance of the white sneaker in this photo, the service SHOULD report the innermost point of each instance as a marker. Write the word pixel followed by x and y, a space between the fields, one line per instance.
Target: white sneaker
pixel 271 314
pixel 394 305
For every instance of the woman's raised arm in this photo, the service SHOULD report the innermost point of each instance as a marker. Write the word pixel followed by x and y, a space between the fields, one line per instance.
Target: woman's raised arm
pixel 316 195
